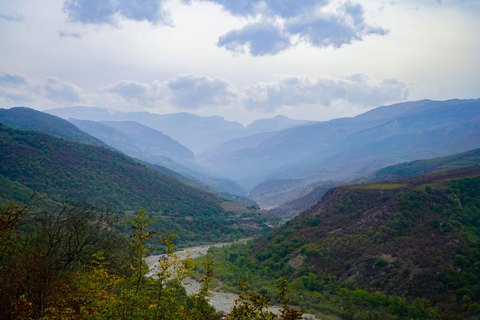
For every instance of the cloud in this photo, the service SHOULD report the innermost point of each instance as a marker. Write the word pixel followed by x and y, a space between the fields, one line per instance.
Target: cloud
pixel 292 91
pixel 283 8
pixel 184 92
pixel 260 38
pixel 62 92
pixel 193 91
pixel 14 89
pixel 136 92
pixel 305 20
pixel 107 11
pixel 11 17
pixel 12 80
pixel 65 34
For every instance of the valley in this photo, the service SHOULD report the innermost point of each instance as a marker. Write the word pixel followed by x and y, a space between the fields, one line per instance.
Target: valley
pixel 374 216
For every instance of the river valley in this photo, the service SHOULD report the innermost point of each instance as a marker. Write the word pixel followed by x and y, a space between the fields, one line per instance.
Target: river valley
pixel 221 301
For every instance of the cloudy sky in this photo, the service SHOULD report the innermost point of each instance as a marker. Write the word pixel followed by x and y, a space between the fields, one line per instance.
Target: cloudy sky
pixel 241 59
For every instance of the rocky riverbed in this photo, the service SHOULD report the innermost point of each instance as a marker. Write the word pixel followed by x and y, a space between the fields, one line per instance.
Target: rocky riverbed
pixel 221 301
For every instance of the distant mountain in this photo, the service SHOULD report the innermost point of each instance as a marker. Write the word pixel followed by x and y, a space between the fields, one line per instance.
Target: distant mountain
pixel 277 123
pixel 196 133
pixel 199 134
pixel 64 169
pixel 414 240
pixel 235 145
pixel 137 140
pixel 30 119
pixel 348 147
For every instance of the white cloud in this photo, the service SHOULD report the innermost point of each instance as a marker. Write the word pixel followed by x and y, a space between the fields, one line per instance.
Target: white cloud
pixel 17 89
pixel 62 92
pixel 356 90
pixel 185 92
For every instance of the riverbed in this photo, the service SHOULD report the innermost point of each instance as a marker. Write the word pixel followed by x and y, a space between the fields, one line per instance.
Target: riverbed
pixel 221 301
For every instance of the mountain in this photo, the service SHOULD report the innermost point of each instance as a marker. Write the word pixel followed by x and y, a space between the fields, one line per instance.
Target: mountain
pixel 419 167
pixel 137 140
pixel 63 169
pixel 312 193
pixel 347 147
pixel 199 134
pixel 235 145
pixel 30 119
pixel 409 239
pixel 196 133
pixel 277 123
pixel 157 149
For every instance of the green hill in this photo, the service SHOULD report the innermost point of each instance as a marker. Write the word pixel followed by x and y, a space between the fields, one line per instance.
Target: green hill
pixel 30 119
pixel 64 169
pixel 415 168
pixel 398 249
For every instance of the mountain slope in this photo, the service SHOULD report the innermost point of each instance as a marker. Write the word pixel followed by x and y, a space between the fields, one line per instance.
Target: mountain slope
pixel 68 170
pixel 415 238
pixel 137 140
pixel 314 192
pixel 199 134
pixel 324 150
pixel 196 133
pixel 30 119
pixel 419 167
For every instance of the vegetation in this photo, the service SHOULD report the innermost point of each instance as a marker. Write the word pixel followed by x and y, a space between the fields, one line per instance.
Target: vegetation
pixel 63 169
pixel 363 252
pixel 30 119
pixel 71 262
pixel 419 167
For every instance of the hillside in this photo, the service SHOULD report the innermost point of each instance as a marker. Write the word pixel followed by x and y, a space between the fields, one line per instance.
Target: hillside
pixel 312 193
pixel 398 249
pixel 419 167
pixel 413 238
pixel 137 141
pixel 30 119
pixel 63 169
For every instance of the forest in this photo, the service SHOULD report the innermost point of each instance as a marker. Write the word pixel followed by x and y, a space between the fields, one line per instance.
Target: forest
pixel 73 262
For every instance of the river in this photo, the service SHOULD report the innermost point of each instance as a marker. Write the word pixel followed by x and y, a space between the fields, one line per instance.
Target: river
pixel 221 301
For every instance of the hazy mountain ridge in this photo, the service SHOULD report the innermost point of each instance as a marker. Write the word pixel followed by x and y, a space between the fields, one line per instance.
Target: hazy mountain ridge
pixel 197 133
pixel 349 147
pixel 339 149
pixel 137 140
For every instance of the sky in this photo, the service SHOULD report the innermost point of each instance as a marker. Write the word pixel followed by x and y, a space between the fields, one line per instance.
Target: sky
pixel 240 59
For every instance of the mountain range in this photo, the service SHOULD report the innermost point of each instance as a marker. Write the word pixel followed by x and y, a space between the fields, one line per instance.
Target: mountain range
pixel 34 162
pixel 273 161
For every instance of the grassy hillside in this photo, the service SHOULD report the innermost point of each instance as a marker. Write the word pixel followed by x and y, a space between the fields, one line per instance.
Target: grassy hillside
pixel 399 249
pixel 63 169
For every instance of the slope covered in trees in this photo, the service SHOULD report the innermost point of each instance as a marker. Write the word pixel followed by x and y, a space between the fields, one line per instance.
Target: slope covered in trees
pixel 65 169
pixel 30 119
pixel 398 249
